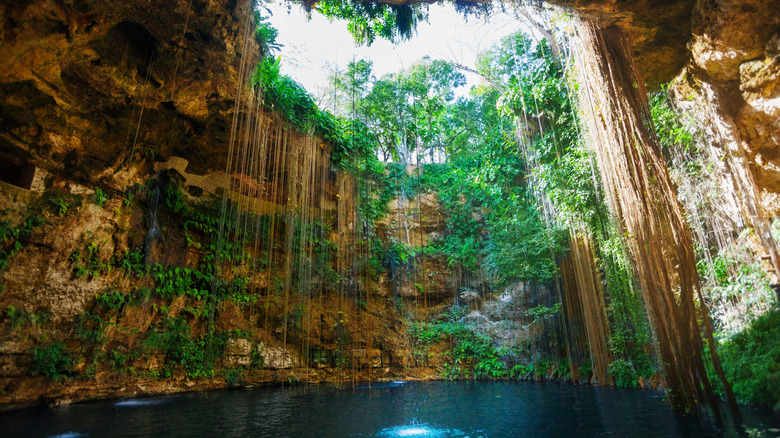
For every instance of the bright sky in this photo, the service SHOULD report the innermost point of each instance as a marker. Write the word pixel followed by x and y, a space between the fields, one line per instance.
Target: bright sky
pixel 313 48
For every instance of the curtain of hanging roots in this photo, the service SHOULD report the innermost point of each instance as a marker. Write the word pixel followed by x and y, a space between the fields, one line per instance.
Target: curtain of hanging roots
pixel 591 300
pixel 641 194
pixel 575 321
pixel 278 201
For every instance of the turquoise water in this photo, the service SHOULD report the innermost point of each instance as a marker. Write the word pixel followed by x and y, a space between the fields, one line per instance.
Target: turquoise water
pixel 393 409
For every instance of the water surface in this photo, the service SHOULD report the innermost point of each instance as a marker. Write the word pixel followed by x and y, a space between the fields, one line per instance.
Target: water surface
pixel 391 409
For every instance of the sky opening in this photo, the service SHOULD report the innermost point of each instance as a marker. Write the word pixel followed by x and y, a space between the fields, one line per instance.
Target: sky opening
pixel 313 46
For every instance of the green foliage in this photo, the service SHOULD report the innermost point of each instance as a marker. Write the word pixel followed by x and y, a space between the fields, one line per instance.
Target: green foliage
pixel 171 282
pixel 398 254
pixel 480 187
pixel 541 311
pixel 256 359
pixel 88 264
pixel 198 283
pixel 368 20
pixel 265 34
pixel 283 94
pixel 18 317
pixel 520 248
pixel 627 374
pixel 348 138
pixel 62 207
pixel 196 356
pixel 472 356
pixel 112 300
pixel 133 262
pixel 15 318
pixel 738 288
pixel 100 197
pixel 521 371
pixel 51 360
pixel 89 327
pixel 751 361
pixel 121 360
pixel 234 377
pixel 60 202
pixel 671 131
pixel 13 239
pixel 127 197
pixel 490 368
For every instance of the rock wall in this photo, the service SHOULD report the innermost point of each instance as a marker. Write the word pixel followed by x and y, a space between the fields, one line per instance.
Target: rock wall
pixel 79 280
pixel 96 91
pixel 735 68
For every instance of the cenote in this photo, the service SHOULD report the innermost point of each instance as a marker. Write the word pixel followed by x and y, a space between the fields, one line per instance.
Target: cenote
pixel 519 217
pixel 389 409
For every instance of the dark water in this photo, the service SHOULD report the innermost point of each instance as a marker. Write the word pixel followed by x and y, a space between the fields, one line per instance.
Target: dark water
pixel 415 409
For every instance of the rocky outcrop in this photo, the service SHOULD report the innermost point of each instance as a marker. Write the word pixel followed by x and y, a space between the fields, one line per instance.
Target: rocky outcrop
pixel 731 87
pixel 736 65
pixel 658 29
pixel 89 89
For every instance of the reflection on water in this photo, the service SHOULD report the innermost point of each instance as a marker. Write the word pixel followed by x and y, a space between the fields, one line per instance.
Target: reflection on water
pixel 420 431
pixel 139 402
pixel 382 385
pixel 385 410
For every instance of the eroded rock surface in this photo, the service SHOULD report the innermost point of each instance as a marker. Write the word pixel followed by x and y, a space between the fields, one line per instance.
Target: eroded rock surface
pixel 735 70
pixel 88 87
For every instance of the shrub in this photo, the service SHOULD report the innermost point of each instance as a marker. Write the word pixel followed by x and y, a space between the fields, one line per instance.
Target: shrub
pixel 51 360
pixel 234 377
pixel 751 361
pixel 623 372
pixel 490 368
pixel 521 371
pixel 112 300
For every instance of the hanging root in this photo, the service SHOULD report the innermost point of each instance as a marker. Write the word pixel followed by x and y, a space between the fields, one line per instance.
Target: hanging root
pixel 641 194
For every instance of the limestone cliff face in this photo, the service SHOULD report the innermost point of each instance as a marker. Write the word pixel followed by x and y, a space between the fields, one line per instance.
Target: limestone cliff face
pixel 735 66
pixel 90 89
pixel 659 30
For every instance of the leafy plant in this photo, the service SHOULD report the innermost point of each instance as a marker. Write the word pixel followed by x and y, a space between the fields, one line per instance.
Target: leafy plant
pixel 266 35
pixel 112 300
pixel 195 356
pixel 367 20
pixel 13 239
pixel 541 311
pixel 127 198
pixel 100 197
pixel 14 317
pixel 234 377
pixel 51 360
pixel 751 361
pixel 89 327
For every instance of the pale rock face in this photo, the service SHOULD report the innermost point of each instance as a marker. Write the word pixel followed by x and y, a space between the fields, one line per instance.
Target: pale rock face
pixel 238 352
pixel 276 358
pixel 735 49
pixel 41 275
